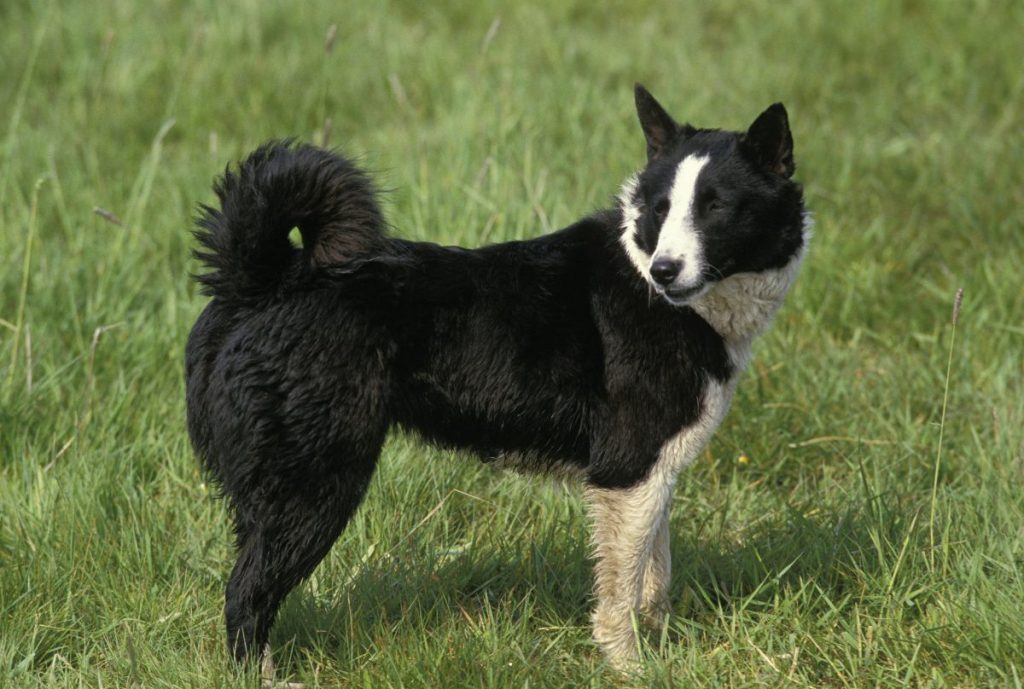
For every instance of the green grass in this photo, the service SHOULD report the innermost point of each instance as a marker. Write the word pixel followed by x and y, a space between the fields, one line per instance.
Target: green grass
pixel 846 553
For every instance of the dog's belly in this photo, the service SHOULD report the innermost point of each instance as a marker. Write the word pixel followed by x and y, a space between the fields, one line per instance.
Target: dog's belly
pixel 513 425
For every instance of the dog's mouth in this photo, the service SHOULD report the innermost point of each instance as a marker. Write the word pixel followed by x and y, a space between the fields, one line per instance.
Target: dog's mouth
pixel 680 296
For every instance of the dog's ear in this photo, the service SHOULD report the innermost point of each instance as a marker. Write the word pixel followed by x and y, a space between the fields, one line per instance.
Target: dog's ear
pixel 769 141
pixel 659 127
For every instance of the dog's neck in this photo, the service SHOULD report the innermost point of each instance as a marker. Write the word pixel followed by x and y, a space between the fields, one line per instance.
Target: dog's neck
pixel 742 306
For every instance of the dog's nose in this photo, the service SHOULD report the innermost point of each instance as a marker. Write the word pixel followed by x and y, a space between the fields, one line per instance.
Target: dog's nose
pixel 665 270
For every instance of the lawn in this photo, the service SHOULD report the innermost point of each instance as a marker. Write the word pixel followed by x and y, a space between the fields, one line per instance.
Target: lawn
pixel 857 521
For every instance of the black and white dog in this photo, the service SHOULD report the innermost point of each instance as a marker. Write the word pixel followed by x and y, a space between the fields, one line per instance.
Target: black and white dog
pixel 610 348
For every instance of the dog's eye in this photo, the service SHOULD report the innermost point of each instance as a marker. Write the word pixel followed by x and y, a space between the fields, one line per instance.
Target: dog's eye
pixel 661 209
pixel 713 205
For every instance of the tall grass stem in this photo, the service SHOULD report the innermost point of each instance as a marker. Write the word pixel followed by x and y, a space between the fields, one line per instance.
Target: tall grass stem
pixel 957 303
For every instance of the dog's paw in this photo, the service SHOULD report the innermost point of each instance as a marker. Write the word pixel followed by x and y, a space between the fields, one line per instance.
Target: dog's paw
pixel 615 632
pixel 267 670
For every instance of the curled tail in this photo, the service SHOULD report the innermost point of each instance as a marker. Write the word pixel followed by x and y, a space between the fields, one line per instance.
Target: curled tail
pixel 278 187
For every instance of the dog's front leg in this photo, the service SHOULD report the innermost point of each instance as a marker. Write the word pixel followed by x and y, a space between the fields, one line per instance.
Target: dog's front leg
pixel 627 529
pixel 654 605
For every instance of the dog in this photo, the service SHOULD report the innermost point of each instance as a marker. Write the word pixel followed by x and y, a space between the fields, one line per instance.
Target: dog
pixel 609 349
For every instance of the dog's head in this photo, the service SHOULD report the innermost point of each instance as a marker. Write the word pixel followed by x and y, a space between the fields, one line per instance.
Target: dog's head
pixel 710 203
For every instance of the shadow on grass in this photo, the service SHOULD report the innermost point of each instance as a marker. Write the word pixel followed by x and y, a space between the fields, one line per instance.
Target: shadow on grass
pixel 833 547
pixel 550 579
pixel 412 592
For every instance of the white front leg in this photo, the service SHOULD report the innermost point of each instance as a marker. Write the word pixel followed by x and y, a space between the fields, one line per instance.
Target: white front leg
pixel 631 538
pixel 655 604
pixel 626 528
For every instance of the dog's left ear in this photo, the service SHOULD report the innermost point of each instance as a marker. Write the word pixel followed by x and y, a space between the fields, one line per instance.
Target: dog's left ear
pixel 769 141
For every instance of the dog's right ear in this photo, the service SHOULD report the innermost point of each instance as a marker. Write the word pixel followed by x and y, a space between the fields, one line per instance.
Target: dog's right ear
pixel 659 127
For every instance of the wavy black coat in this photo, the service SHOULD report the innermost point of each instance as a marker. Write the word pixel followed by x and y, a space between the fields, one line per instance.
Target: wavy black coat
pixel 549 353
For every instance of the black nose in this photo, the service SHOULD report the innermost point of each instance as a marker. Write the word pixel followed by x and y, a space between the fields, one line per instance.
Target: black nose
pixel 665 270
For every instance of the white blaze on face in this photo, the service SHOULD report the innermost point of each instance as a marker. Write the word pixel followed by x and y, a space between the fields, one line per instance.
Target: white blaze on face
pixel 678 239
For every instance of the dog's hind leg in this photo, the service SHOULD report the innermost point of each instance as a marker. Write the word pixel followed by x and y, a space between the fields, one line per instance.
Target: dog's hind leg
pixel 284 529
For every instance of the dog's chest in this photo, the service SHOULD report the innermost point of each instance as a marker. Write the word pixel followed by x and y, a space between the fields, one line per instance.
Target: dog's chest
pixel 738 309
pixel 684 446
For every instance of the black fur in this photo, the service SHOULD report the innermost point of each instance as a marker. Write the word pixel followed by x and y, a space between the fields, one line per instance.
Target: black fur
pixel 551 352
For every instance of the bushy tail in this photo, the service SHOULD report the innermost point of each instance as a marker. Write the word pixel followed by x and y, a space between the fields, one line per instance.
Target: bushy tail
pixel 278 187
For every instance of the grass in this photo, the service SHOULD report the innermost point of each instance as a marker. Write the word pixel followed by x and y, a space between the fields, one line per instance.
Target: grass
pixel 846 551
